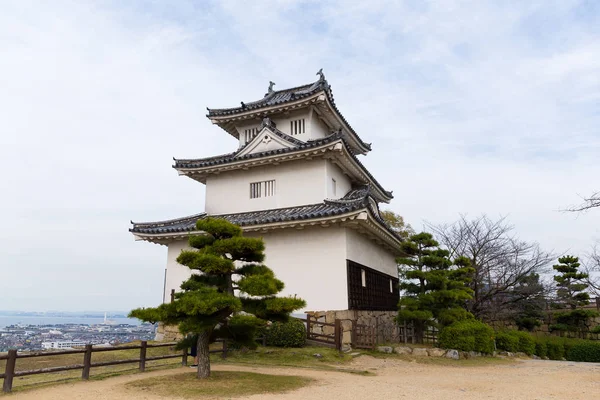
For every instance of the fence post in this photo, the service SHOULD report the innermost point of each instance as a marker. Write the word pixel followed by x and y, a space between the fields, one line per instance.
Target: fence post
pixel 308 326
pixel 87 362
pixel 184 357
pixel 225 348
pixel 9 371
pixel 143 349
pixel 338 334
pixel 405 333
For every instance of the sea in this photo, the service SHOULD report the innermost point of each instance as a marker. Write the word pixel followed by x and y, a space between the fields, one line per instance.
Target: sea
pixel 6 320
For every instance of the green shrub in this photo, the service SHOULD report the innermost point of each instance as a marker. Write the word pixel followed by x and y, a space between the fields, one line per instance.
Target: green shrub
pixel 467 335
pixel 526 342
pixel 541 350
pixel 584 350
pixel 286 334
pixel 555 347
pixel 507 341
pixel 595 329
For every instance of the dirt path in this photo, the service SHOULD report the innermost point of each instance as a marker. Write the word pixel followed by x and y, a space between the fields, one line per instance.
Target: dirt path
pixel 527 380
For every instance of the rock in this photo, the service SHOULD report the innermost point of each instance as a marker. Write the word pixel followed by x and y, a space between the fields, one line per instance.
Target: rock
pixel 403 350
pixel 419 352
pixel 506 354
pixel 435 352
pixel 384 349
pixel 473 354
pixel 354 354
pixel 521 355
pixel 452 354
pixel 318 355
pixel 536 357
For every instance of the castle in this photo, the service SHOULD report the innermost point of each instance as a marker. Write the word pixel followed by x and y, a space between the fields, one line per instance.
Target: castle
pixel 296 181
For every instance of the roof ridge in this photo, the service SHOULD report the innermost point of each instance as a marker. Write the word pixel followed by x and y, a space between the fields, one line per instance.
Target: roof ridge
pixel 167 221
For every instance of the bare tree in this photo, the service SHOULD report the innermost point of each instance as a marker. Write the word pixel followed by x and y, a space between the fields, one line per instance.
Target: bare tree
pixel 589 202
pixel 503 263
pixel 591 266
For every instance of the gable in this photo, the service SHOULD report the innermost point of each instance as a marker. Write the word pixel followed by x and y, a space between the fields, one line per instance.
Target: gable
pixel 266 140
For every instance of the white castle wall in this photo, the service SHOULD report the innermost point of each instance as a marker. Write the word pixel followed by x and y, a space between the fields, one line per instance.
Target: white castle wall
pixel 364 251
pixel 311 262
pixel 297 183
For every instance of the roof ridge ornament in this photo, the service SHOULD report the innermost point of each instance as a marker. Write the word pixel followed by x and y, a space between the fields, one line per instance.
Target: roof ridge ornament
pixel 321 75
pixel 267 122
pixel 271 84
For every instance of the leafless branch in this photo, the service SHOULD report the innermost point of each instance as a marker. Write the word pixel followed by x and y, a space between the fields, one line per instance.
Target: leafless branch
pixel 502 262
pixel 590 202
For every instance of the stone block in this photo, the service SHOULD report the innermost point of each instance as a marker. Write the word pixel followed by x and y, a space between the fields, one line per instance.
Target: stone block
pixel 347 337
pixel 385 349
pixel 473 354
pixel 403 350
pixel 435 352
pixel 452 354
pixel 419 352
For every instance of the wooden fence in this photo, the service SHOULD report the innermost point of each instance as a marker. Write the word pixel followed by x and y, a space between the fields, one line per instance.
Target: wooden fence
pixel 333 339
pixel 11 360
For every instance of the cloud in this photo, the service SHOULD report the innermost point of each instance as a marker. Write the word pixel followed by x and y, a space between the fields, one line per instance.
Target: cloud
pixel 472 107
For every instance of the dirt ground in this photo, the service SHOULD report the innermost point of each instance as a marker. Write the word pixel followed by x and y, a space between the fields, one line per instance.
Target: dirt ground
pixel 394 379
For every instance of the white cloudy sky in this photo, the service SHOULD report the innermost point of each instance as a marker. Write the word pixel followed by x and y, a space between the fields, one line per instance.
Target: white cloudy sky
pixel 471 106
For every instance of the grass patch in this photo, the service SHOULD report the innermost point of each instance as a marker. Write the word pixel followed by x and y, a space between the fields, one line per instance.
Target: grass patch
pixel 330 360
pixel 220 384
pixel 300 357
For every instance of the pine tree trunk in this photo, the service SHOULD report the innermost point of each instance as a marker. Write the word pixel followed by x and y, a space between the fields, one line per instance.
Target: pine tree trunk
pixel 203 354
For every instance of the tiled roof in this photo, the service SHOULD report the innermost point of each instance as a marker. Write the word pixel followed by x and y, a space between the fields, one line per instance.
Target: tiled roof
pixel 273 98
pixel 354 200
pixel 278 97
pixel 232 157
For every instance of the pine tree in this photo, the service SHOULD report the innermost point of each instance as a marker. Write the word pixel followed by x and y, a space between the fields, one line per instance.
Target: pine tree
pixel 435 287
pixel 231 294
pixel 571 293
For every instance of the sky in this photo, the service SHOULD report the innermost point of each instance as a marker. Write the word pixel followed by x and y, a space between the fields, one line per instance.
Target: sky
pixel 471 107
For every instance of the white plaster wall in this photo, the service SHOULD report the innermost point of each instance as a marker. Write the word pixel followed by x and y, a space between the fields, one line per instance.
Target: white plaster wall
pixel 176 273
pixel 312 264
pixel 318 129
pixel 315 127
pixel 361 249
pixel 342 181
pixel 297 183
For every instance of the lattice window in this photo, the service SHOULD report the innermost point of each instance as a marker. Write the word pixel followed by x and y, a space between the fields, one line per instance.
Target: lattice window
pixel 297 126
pixel 250 134
pixel 262 189
pixel 269 188
pixel 369 289
pixel 255 190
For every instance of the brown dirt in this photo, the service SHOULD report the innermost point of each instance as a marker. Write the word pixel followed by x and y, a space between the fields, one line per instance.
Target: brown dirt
pixel 527 380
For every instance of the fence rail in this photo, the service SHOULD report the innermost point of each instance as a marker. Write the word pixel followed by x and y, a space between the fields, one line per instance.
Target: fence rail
pixel 11 360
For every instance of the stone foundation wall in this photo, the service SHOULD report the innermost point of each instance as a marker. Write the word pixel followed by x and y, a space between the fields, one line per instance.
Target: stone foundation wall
pixel 167 333
pixel 384 321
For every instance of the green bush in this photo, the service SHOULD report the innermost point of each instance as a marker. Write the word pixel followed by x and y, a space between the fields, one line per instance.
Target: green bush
pixel 467 335
pixel 541 350
pixel 507 341
pixel 555 348
pixel 584 350
pixel 595 329
pixel 515 341
pixel 526 342
pixel 286 334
